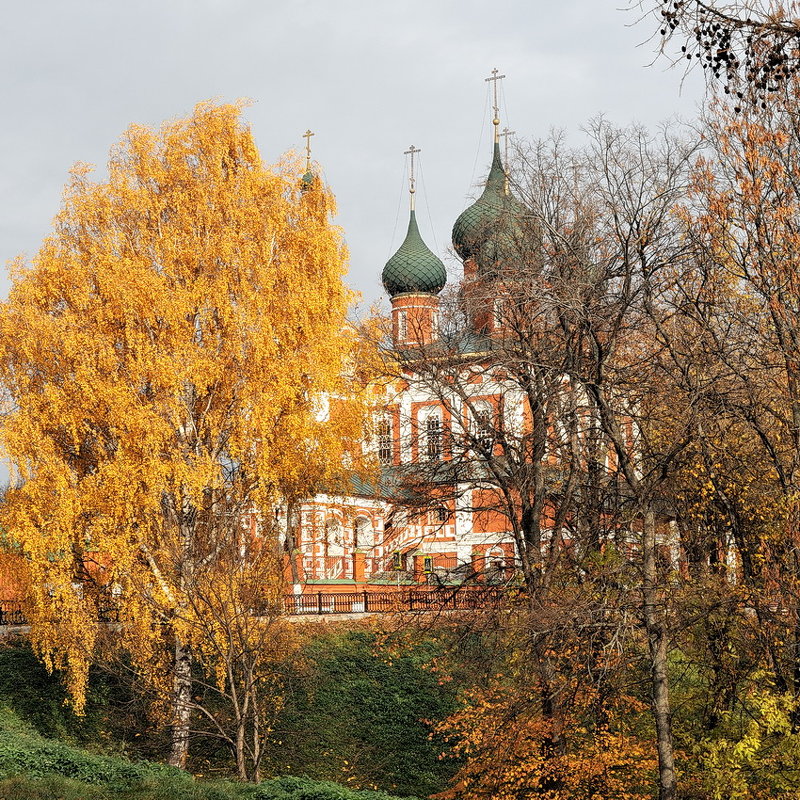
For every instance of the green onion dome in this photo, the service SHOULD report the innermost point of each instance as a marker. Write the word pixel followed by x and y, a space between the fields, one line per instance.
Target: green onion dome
pixel 414 268
pixel 490 229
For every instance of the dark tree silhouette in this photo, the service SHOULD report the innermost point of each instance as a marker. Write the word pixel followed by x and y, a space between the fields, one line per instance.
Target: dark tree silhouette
pixel 749 47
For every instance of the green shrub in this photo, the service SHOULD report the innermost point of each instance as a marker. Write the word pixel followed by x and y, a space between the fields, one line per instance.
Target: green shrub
pixel 289 788
pixel 115 718
pixel 24 752
pixel 362 714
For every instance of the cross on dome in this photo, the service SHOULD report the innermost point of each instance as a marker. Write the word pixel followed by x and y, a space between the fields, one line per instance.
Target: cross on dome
pixel 307 136
pixel 414 268
pixel 412 151
pixel 487 232
pixel 505 134
pixel 494 78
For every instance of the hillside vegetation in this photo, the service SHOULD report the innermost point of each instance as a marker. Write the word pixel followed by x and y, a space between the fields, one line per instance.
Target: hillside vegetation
pixel 32 766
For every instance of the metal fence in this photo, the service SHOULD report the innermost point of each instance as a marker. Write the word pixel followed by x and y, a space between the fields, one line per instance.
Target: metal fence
pixel 440 599
pixel 12 613
pixel 456 598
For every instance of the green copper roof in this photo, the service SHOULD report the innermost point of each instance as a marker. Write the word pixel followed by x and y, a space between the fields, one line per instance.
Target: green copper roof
pixel 413 268
pixel 490 227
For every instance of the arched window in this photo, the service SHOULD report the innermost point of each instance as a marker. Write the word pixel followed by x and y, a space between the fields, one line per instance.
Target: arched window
pixel 333 537
pixel 362 533
pixel 385 441
pixel 433 437
pixel 495 565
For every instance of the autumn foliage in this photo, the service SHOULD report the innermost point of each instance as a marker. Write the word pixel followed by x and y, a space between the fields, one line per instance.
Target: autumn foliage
pixel 170 354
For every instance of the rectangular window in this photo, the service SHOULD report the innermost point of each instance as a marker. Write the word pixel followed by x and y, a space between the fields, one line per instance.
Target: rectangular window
pixel 433 438
pixel 485 430
pixel 402 326
pixel 499 309
pixel 385 442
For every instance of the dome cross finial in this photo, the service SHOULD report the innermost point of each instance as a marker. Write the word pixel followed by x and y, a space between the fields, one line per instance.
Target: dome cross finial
pixel 412 151
pixel 307 136
pixel 495 106
pixel 505 134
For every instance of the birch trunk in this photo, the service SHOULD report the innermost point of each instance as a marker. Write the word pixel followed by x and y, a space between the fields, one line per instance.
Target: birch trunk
pixel 182 708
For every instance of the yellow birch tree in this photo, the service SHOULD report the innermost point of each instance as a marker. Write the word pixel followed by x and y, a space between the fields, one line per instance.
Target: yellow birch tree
pixel 176 355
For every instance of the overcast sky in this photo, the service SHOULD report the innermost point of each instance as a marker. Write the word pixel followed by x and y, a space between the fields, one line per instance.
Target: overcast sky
pixel 369 77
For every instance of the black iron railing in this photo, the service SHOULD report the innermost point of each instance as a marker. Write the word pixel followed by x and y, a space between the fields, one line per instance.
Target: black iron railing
pixel 439 599
pixel 452 598
pixel 12 613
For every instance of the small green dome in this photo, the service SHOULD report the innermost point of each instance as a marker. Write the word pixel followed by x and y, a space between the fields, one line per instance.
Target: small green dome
pixel 490 228
pixel 414 268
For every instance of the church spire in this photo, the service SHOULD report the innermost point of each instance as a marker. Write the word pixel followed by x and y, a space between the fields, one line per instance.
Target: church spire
pixel 308 178
pixel 484 232
pixel 413 278
pixel 414 267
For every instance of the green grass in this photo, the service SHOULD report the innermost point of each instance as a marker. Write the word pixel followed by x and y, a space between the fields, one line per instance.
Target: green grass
pixel 33 767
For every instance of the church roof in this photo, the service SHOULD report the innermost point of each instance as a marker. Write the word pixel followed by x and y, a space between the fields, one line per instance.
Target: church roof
pixel 414 267
pixel 491 225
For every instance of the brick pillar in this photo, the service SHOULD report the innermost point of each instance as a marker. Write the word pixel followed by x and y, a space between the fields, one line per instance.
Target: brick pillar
pixel 359 566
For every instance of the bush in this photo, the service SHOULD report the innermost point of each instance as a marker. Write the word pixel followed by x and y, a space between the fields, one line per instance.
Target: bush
pixel 24 752
pixel 360 712
pixel 35 768
pixel 363 714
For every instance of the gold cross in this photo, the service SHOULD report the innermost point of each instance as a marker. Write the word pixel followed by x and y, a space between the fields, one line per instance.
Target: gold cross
pixel 505 134
pixel 307 136
pixel 412 151
pixel 494 78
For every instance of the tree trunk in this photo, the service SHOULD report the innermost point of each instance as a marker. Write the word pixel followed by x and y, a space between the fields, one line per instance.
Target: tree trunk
pixel 181 704
pixel 241 758
pixel 291 541
pixel 657 642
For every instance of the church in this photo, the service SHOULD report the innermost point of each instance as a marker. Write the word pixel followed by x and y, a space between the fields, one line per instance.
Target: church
pixel 447 441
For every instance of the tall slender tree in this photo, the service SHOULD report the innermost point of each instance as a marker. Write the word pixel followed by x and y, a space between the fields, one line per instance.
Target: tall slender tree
pixel 176 357
pixel 745 229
